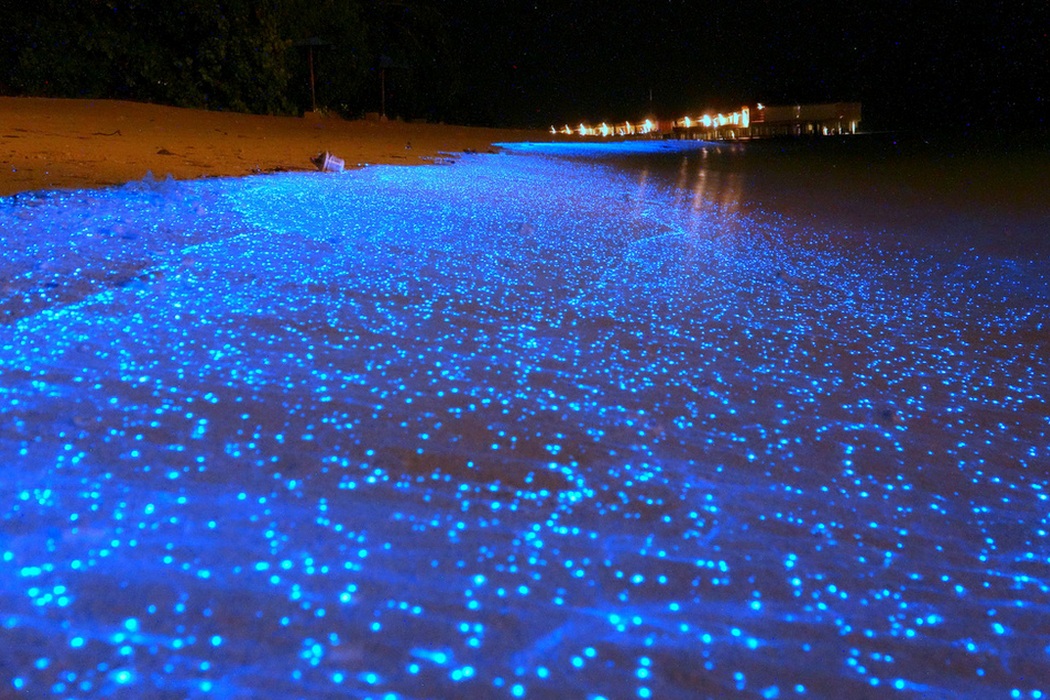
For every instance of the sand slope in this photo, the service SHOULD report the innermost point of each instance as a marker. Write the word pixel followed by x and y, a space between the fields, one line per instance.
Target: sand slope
pixel 61 143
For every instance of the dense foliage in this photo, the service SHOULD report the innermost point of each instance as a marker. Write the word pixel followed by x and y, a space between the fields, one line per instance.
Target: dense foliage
pixel 242 55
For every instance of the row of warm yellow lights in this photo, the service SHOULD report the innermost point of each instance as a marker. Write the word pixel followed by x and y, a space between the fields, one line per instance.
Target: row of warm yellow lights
pixel 603 129
pixel 706 121
pixel 741 119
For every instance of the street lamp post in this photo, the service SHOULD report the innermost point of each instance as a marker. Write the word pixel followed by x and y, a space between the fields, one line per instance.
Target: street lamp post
pixel 310 44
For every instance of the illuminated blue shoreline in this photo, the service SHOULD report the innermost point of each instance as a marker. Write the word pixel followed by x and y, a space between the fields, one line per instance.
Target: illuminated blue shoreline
pixel 606 148
pixel 520 427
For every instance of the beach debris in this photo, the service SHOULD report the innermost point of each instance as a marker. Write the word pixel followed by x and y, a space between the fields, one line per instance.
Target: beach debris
pixel 328 163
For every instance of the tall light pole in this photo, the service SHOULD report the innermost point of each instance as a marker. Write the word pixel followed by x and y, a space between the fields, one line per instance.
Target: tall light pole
pixel 384 63
pixel 310 44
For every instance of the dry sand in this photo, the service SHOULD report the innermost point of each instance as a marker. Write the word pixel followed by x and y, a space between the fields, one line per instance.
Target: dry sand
pixel 60 143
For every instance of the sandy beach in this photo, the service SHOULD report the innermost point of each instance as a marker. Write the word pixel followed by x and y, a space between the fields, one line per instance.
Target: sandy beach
pixel 62 143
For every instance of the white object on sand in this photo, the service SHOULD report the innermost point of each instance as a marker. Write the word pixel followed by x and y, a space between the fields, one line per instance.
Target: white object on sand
pixel 332 164
pixel 329 163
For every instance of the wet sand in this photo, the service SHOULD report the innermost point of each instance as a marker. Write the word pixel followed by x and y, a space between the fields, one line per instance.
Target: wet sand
pixel 522 427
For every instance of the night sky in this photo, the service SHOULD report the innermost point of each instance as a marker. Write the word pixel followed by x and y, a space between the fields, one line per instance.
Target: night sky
pixel 541 62
pixel 909 62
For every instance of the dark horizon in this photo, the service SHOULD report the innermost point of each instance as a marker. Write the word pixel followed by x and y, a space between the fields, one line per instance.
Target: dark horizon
pixel 540 63
pixel 905 65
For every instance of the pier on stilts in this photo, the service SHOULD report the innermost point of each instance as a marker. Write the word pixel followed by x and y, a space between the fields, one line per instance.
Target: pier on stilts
pixel 748 122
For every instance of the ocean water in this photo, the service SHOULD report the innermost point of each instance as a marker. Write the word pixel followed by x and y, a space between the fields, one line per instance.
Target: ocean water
pixel 671 420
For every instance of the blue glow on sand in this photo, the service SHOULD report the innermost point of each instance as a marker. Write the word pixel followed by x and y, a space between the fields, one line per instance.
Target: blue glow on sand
pixel 521 427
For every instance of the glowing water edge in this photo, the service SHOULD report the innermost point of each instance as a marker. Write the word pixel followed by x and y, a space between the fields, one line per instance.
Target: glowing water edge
pixel 527 426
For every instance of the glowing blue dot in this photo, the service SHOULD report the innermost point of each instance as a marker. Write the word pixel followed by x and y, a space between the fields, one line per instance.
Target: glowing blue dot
pixel 123 677
pixel 517 690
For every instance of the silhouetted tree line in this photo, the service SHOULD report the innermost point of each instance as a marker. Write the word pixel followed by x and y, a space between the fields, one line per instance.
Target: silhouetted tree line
pixel 531 62
pixel 240 55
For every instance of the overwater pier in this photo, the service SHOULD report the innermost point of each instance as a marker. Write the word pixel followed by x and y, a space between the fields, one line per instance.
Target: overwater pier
pixel 748 122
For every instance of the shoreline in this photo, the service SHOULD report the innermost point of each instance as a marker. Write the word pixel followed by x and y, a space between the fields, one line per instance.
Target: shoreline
pixel 53 143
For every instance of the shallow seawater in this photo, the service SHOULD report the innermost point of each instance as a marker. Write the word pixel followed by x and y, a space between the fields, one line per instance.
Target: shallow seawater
pixel 532 425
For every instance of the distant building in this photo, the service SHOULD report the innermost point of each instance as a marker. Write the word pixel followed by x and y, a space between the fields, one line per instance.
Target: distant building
pixel 805 120
pixel 764 121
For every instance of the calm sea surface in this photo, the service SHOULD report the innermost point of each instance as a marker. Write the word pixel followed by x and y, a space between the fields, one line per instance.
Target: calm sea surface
pixel 986 191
